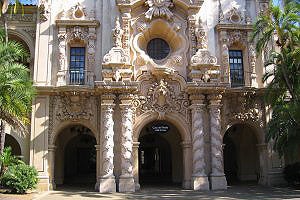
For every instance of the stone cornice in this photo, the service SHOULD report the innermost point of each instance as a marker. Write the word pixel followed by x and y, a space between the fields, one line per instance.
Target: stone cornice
pixel 89 23
pixel 220 27
pixel 185 4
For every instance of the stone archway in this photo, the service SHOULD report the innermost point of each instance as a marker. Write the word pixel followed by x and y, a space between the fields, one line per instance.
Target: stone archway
pixel 14 144
pixel 160 154
pixel 182 147
pixel 75 160
pixel 241 154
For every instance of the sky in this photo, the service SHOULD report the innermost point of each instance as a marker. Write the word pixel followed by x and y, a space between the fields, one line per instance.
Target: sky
pixel 26 1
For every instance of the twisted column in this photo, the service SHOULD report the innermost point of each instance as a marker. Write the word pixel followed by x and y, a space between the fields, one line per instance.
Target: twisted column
pixel 199 178
pixel 126 179
pixel 107 180
pixel 217 176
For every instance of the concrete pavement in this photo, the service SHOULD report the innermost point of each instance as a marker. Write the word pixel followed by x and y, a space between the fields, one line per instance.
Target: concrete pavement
pixel 174 193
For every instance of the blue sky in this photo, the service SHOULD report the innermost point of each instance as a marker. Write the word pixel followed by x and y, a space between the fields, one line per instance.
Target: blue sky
pixel 26 1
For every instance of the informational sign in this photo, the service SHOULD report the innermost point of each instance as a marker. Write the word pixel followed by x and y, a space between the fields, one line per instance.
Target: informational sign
pixel 160 128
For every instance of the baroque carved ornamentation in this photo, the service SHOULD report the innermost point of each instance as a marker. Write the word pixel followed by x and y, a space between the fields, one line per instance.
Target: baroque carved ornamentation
pixel 159 8
pixel 204 68
pixel 201 38
pixel 162 96
pixel 216 137
pixel 44 10
pixel 127 124
pixel 249 109
pixel 71 107
pixel 116 63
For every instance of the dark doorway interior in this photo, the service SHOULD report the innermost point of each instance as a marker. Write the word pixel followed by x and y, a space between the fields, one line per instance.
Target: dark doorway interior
pixel 80 160
pixel 155 160
pixel 230 160
pixel 10 141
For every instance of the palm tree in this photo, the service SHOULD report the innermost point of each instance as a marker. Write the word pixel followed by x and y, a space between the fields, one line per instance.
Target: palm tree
pixel 4 4
pixel 16 89
pixel 283 91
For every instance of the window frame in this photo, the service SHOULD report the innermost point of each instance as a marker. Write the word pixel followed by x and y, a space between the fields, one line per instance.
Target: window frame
pixel 240 68
pixel 78 79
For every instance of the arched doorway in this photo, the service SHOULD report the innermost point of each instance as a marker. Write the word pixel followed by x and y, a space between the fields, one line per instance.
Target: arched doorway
pixel 241 159
pixel 75 160
pixel 10 141
pixel 160 155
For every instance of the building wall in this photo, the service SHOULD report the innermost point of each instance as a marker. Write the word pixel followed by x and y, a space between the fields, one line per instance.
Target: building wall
pixel 125 89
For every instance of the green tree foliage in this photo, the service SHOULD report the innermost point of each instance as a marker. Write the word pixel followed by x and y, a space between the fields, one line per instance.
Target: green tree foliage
pixel 281 26
pixel 16 89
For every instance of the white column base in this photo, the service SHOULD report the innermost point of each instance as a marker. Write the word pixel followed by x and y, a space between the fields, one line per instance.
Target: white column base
pixel 126 184
pixel 218 182
pixel 107 185
pixel 200 183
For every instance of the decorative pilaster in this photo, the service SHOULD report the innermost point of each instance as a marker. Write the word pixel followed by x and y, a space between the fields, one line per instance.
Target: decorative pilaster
pixel 192 35
pixel 126 182
pixel 252 63
pixel 218 180
pixel 187 165
pixel 98 166
pixel 224 57
pixel 51 163
pixel 107 179
pixel 199 177
pixel 263 163
pixel 135 149
pixel 61 75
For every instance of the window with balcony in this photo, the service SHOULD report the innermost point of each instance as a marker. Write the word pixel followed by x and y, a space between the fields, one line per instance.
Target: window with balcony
pixel 77 65
pixel 236 68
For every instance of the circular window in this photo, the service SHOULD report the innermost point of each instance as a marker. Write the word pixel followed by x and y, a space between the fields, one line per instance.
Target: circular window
pixel 158 49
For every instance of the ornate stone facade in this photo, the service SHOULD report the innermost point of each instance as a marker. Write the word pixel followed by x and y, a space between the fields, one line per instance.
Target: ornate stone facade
pixel 124 91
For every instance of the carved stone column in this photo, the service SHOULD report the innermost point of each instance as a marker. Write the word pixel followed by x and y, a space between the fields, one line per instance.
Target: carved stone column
pixel 107 179
pixel 98 167
pixel 126 182
pixel 187 164
pixel 218 180
pixel 51 164
pixel 136 165
pixel 199 177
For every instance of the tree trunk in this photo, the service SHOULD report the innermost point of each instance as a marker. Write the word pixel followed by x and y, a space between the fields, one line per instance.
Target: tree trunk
pixel 5 28
pixel 2 136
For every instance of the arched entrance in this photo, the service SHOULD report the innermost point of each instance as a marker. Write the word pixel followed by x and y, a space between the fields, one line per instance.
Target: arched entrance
pixel 241 158
pixel 75 160
pixel 10 141
pixel 160 155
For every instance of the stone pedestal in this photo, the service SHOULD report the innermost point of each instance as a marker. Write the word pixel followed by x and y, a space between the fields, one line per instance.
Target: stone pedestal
pixel 218 182
pixel 126 184
pixel 200 183
pixel 107 185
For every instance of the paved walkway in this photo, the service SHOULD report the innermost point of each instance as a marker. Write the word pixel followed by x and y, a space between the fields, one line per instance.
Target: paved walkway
pixel 235 192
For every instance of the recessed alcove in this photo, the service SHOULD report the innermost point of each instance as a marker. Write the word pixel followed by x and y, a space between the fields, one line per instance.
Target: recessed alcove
pixel 162 30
